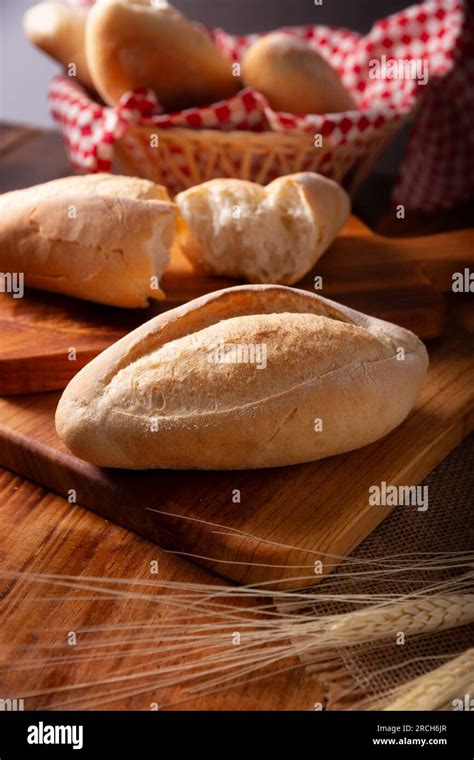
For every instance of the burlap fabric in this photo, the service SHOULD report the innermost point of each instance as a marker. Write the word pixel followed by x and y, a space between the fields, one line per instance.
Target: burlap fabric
pixel 361 676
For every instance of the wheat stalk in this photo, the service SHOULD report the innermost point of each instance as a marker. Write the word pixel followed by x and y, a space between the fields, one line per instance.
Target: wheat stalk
pixel 437 689
pixel 192 647
pixel 421 615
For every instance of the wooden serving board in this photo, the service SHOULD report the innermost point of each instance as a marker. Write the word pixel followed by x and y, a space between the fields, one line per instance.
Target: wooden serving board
pixel 285 516
pixel 399 280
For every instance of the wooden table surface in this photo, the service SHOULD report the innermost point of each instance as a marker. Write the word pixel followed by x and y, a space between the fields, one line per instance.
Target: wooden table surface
pixel 42 533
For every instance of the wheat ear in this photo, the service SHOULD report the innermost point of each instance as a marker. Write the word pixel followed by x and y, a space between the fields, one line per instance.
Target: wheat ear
pixel 431 613
pixel 437 689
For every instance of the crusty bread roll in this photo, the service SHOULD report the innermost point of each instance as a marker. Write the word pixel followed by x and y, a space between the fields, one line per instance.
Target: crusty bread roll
pixel 274 234
pixel 60 32
pixel 103 184
pixel 294 77
pixel 132 45
pixel 99 237
pixel 239 379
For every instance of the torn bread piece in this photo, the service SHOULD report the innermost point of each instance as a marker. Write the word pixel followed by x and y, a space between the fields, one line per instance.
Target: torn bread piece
pixel 101 237
pixel 239 379
pixel 272 234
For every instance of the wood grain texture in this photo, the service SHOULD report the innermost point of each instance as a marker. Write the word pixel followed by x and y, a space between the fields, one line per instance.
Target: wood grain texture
pixel 30 156
pixel 42 533
pixel 12 137
pixel 397 280
pixel 285 515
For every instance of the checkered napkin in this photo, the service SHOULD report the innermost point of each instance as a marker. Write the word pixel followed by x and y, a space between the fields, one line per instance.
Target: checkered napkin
pixel 438 169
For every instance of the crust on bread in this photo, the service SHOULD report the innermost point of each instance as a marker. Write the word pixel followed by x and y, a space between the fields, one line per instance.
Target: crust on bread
pixel 294 77
pixel 155 400
pixel 60 31
pixel 100 238
pixel 272 234
pixel 132 45
pixel 102 183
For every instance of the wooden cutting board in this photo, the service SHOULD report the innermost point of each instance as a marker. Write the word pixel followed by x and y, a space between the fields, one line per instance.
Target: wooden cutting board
pixel 400 280
pixel 286 516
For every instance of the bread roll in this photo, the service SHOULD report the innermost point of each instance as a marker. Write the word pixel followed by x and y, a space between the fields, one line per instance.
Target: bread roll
pixel 293 77
pixel 238 379
pixel 100 237
pixel 60 32
pixel 132 45
pixel 274 234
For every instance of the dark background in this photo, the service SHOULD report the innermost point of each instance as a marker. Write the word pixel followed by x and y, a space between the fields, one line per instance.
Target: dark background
pixel 242 16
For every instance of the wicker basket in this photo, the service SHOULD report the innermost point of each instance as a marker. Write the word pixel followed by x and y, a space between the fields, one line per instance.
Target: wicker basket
pixel 185 157
pixel 225 139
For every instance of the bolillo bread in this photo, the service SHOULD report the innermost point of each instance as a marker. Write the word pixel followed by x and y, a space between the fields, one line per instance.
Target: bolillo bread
pixel 238 379
pixel 294 77
pixel 99 237
pixel 272 234
pixel 132 45
pixel 60 31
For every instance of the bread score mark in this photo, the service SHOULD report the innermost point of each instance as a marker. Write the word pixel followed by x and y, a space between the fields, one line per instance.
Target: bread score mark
pixel 154 400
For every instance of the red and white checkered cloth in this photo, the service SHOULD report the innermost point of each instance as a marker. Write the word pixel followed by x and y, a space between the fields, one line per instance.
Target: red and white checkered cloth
pixel 438 170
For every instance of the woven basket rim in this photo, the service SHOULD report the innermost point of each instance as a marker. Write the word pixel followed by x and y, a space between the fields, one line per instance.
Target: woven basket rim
pixel 225 134
pixel 263 137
